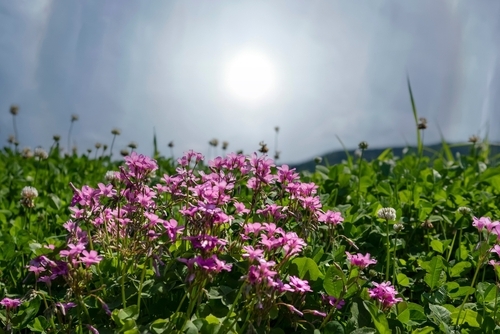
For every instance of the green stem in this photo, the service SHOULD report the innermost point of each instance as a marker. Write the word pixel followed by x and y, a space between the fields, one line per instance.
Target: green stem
pixel 394 262
pixel 122 281
pixel 451 247
pixel 238 295
pixel 143 273
pixel 388 252
pixel 468 292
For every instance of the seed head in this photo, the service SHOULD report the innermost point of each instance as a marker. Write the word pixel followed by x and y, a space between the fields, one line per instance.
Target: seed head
pixel 132 145
pixel 277 155
pixel 97 145
pixel 277 129
pixel 387 213
pixel 214 142
pixel 74 118
pixel 56 138
pixel 263 147
pixel 363 145
pixel 171 144
pixel 318 160
pixel 115 132
pixel 422 124
pixel 14 109
pixel 41 153
pixel 124 152
pixel 473 139
pixel 89 150
pixel 225 144
pixel 104 147
pixel 12 139
pixel 427 224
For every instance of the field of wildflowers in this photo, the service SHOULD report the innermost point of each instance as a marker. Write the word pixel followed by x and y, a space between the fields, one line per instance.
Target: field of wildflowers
pixel 239 244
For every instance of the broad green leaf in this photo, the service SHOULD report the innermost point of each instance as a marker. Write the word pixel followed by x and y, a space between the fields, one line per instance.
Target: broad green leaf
pixel 335 281
pixel 434 270
pixel 459 268
pixel 440 313
pixel 472 318
pixel 403 280
pixel 365 330
pixel 486 292
pixel 378 318
pixel 333 327
pixel 437 246
pixel 305 268
pixel 425 330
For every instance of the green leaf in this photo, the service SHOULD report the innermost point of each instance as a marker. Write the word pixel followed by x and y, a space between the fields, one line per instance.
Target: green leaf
pixel 472 318
pixel 54 201
pixel 434 270
pixel 39 324
pixel 440 314
pixel 378 318
pixel 459 268
pixel 485 292
pixel 365 330
pixel 335 281
pixel 437 246
pixel 305 268
pixel 425 330
pixel 333 327
pixel 403 280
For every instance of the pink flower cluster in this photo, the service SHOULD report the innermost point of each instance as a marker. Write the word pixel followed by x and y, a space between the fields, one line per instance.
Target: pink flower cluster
pixel 360 260
pixel 385 294
pixel 10 303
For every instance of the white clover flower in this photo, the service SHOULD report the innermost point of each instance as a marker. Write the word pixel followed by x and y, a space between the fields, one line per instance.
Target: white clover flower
pixel 387 213
pixel 27 153
pixel 41 153
pixel 28 194
pixel 111 176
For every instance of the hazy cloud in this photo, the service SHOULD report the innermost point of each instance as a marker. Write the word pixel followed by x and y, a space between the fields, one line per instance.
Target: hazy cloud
pixel 341 67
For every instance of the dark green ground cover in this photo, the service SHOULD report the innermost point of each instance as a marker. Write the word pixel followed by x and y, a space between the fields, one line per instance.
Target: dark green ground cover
pixel 438 262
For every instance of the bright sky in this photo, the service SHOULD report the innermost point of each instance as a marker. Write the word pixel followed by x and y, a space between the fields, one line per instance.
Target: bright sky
pixel 234 70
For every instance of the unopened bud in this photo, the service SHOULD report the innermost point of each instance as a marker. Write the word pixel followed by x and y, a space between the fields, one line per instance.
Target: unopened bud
pixel 398 227
pixel 363 145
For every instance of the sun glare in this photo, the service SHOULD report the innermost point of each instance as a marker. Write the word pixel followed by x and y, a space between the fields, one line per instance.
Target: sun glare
pixel 250 76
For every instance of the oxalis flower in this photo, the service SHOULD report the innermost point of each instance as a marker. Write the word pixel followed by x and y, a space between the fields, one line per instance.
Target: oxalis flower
pixel 385 294
pixel 9 303
pixel 360 260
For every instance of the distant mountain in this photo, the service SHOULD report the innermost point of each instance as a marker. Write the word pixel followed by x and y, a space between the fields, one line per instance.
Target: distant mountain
pixel 371 154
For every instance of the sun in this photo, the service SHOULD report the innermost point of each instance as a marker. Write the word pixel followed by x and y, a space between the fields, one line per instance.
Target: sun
pixel 250 76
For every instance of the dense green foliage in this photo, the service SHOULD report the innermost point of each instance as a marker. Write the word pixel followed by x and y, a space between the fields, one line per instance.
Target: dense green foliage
pixel 436 260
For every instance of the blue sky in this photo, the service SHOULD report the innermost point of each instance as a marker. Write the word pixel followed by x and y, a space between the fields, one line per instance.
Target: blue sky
pixel 340 66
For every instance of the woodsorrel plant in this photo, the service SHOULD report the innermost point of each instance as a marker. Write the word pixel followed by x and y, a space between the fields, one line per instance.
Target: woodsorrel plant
pixel 222 248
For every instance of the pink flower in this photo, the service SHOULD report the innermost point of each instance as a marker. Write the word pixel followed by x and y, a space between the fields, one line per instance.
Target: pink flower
pixel 330 217
pixel 360 260
pixel 9 303
pixel 484 222
pixel 252 253
pixel 90 258
pixel 299 285
pixel 496 249
pixel 385 294
pixel 332 301
pixel 240 208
